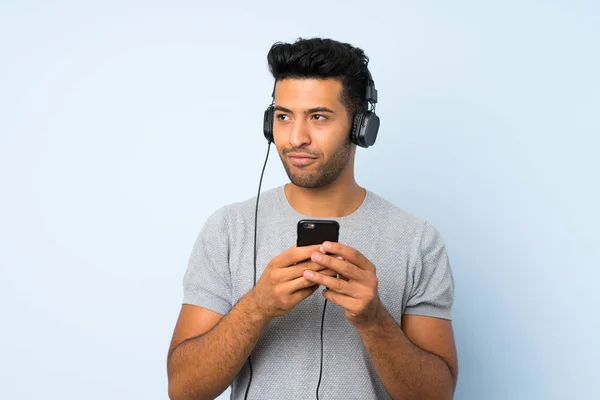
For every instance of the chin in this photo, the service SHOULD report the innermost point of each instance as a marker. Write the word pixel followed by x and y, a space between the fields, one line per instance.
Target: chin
pixel 316 175
pixel 310 180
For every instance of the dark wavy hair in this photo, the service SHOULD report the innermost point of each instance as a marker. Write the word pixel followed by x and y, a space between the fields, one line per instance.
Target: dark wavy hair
pixel 323 58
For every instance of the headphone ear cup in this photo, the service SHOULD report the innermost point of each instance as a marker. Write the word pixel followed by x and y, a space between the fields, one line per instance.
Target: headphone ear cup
pixel 268 123
pixel 355 132
pixel 369 129
pixel 364 129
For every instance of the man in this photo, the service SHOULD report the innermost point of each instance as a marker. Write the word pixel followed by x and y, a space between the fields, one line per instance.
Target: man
pixel 386 334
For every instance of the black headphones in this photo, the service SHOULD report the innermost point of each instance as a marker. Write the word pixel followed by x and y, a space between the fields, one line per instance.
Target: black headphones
pixel 365 125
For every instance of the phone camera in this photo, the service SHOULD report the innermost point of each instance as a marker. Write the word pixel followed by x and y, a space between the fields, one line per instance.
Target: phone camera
pixel 308 225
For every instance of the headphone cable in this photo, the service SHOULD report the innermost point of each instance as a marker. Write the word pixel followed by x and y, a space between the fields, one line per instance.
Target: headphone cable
pixel 255 229
pixel 324 305
pixel 321 369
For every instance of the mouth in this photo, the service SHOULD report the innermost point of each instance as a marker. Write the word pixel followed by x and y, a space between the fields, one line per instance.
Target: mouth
pixel 300 159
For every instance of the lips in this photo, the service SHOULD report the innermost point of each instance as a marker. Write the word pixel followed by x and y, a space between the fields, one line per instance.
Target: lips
pixel 300 159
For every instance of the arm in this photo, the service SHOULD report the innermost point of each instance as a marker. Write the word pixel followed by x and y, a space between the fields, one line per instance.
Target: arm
pixel 212 337
pixel 208 350
pixel 419 360
pixel 202 367
pixel 406 370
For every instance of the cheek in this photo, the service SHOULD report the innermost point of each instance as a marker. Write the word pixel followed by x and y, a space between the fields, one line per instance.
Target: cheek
pixel 331 143
pixel 281 131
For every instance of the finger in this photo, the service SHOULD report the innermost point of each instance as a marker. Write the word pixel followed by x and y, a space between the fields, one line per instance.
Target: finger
pixel 330 272
pixel 297 270
pixel 297 284
pixel 322 250
pixel 342 267
pixel 349 254
pixel 294 255
pixel 346 302
pixel 317 268
pixel 303 294
pixel 335 284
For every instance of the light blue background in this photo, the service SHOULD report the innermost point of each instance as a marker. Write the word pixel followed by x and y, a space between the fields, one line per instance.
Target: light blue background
pixel 123 125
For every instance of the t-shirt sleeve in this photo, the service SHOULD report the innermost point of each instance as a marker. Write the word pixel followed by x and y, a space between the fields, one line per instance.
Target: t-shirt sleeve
pixel 432 291
pixel 207 280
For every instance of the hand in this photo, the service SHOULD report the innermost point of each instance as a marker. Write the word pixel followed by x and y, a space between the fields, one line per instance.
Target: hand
pixel 282 284
pixel 357 291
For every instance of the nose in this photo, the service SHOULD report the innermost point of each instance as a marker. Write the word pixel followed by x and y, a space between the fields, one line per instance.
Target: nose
pixel 299 134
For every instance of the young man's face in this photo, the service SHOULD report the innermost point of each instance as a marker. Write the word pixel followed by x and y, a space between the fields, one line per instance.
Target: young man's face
pixel 311 130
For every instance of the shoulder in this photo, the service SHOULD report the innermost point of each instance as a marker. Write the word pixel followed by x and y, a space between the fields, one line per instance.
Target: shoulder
pixel 392 216
pixel 385 210
pixel 240 212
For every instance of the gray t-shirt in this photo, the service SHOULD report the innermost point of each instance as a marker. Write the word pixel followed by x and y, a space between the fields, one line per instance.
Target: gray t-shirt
pixel 413 272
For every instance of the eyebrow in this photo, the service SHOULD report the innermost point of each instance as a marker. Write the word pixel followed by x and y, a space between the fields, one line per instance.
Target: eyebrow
pixel 309 111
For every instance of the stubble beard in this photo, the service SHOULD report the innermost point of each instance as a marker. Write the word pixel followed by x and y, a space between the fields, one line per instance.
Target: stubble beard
pixel 323 176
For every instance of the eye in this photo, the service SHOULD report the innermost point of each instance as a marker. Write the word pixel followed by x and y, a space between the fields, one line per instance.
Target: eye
pixel 321 117
pixel 279 116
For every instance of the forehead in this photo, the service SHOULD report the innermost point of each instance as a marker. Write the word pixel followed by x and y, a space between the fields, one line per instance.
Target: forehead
pixel 308 92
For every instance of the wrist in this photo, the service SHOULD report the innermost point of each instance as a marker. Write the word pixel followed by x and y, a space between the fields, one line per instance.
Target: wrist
pixel 379 320
pixel 256 308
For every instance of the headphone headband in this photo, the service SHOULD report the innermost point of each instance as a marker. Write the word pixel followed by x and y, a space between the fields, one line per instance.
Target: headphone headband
pixel 371 93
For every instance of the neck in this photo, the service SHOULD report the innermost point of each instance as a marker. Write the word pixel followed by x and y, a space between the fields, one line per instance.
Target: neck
pixel 338 199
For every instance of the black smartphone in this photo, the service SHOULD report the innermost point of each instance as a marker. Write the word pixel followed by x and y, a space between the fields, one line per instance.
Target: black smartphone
pixel 312 231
